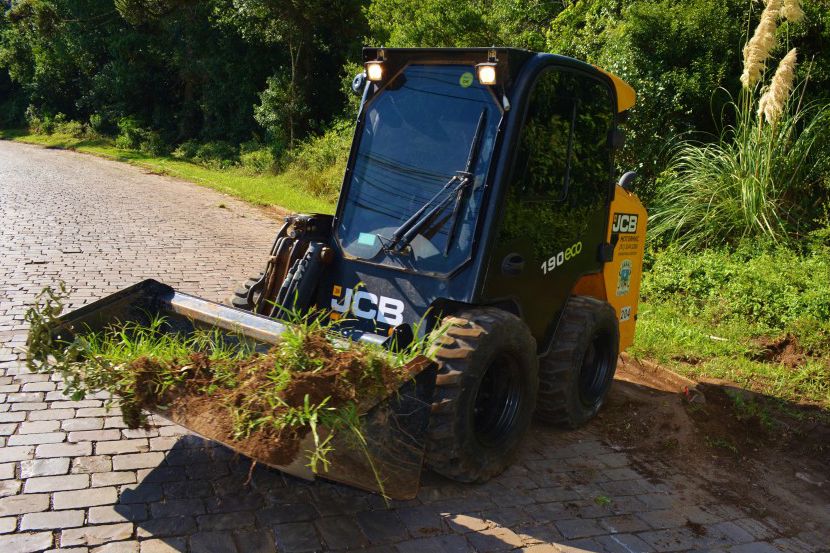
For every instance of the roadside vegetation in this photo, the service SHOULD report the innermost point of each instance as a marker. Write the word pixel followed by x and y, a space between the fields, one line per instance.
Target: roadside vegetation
pixel 730 134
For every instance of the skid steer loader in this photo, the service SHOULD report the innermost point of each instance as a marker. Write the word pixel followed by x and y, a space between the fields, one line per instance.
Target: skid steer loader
pixel 479 197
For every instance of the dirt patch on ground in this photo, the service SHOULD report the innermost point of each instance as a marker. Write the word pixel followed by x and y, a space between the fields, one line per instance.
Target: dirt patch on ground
pixel 784 350
pixel 732 441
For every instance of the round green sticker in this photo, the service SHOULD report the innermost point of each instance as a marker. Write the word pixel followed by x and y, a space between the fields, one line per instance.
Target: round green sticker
pixel 466 79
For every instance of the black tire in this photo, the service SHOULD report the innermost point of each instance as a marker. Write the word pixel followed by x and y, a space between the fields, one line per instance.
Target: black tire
pixel 485 394
pixel 576 375
pixel 239 297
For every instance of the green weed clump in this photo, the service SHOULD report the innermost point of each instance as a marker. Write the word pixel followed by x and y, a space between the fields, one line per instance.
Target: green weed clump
pixel 262 403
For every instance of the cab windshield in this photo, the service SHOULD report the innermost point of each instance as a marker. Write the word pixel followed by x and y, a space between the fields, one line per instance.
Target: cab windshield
pixel 417 134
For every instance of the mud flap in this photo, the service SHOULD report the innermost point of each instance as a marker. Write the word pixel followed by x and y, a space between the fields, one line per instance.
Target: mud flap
pixel 388 455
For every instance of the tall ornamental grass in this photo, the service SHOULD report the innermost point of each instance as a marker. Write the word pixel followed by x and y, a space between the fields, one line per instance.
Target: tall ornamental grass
pixel 762 175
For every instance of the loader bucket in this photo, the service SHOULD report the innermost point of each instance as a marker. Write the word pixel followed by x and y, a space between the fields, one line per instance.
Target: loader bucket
pixel 394 429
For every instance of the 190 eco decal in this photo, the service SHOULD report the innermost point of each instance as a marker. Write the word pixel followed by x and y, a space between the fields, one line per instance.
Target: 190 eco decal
pixel 560 258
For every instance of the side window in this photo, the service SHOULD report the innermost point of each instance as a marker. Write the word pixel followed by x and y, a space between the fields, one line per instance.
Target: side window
pixel 561 177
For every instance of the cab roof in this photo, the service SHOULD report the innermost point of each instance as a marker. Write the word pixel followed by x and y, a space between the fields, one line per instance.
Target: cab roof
pixel 510 59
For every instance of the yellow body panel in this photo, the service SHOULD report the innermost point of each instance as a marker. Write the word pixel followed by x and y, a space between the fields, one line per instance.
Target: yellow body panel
pixel 626 97
pixel 623 275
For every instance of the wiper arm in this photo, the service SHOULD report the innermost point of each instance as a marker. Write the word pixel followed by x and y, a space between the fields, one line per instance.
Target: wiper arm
pixel 407 232
pixel 472 159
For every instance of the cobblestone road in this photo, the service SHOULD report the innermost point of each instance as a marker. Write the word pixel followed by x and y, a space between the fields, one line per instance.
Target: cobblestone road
pixel 74 479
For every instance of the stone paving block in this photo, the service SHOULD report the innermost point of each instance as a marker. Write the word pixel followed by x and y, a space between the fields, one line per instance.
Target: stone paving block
pixel 91 464
pixel 291 512
pixel 57 483
pixel 26 543
pixel 7 524
pixel 381 527
pixel 39 386
pixel 52 520
pixel 117 513
pixel 664 518
pixel 466 523
pixel 674 539
pixel 579 528
pixel 137 460
pixel 112 478
pixel 212 542
pixel 437 544
pixel 168 545
pixel 9 487
pixel 623 543
pixel 187 489
pixel 7 429
pixel 51 414
pixel 730 532
pixel 19 453
pixel 423 520
pixel 163 443
pixel 134 433
pixel 64 450
pixel 177 508
pixel 24 397
pixel 44 467
pixel 94 436
pixel 341 532
pixel 96 535
pixel 94 412
pixel 541 548
pixel 255 541
pixel 165 527
pixel 117 547
pixel 237 520
pixel 297 537
pixel 30 406
pixel 141 493
pixel 494 539
pixel 79 425
pixel 754 547
pixel 239 502
pixel 623 524
pixel 15 416
pixel 84 498
pixel 121 446
pixel 21 504
pixel 36 439
pixel 39 427
pixel 7 470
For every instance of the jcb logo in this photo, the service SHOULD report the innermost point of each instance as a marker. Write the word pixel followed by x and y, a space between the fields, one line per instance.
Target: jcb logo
pixel 624 222
pixel 367 305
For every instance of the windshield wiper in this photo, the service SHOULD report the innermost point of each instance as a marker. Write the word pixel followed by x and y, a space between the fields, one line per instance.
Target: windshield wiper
pixel 410 228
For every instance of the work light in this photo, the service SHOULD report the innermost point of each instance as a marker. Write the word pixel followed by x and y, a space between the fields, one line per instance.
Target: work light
pixel 486 73
pixel 374 70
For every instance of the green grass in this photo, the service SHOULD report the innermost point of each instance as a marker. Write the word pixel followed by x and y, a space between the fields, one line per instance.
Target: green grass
pixel 727 349
pixel 285 190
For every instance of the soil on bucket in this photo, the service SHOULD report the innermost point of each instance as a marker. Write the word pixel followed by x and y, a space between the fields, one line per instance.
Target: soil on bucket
pixel 262 405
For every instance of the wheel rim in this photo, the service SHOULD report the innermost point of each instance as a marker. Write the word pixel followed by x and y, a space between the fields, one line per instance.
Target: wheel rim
pixel 595 370
pixel 497 401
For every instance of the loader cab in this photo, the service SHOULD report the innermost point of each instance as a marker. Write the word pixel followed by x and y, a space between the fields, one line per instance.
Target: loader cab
pixel 536 143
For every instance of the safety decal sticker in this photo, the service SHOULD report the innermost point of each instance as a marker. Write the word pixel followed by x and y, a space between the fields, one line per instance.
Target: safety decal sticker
pixel 624 278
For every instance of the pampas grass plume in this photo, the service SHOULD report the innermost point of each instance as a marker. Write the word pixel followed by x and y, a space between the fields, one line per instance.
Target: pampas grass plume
pixel 774 100
pixel 762 42
pixel 792 11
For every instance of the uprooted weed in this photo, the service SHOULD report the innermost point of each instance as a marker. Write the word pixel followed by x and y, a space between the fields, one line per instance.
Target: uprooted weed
pixel 263 404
